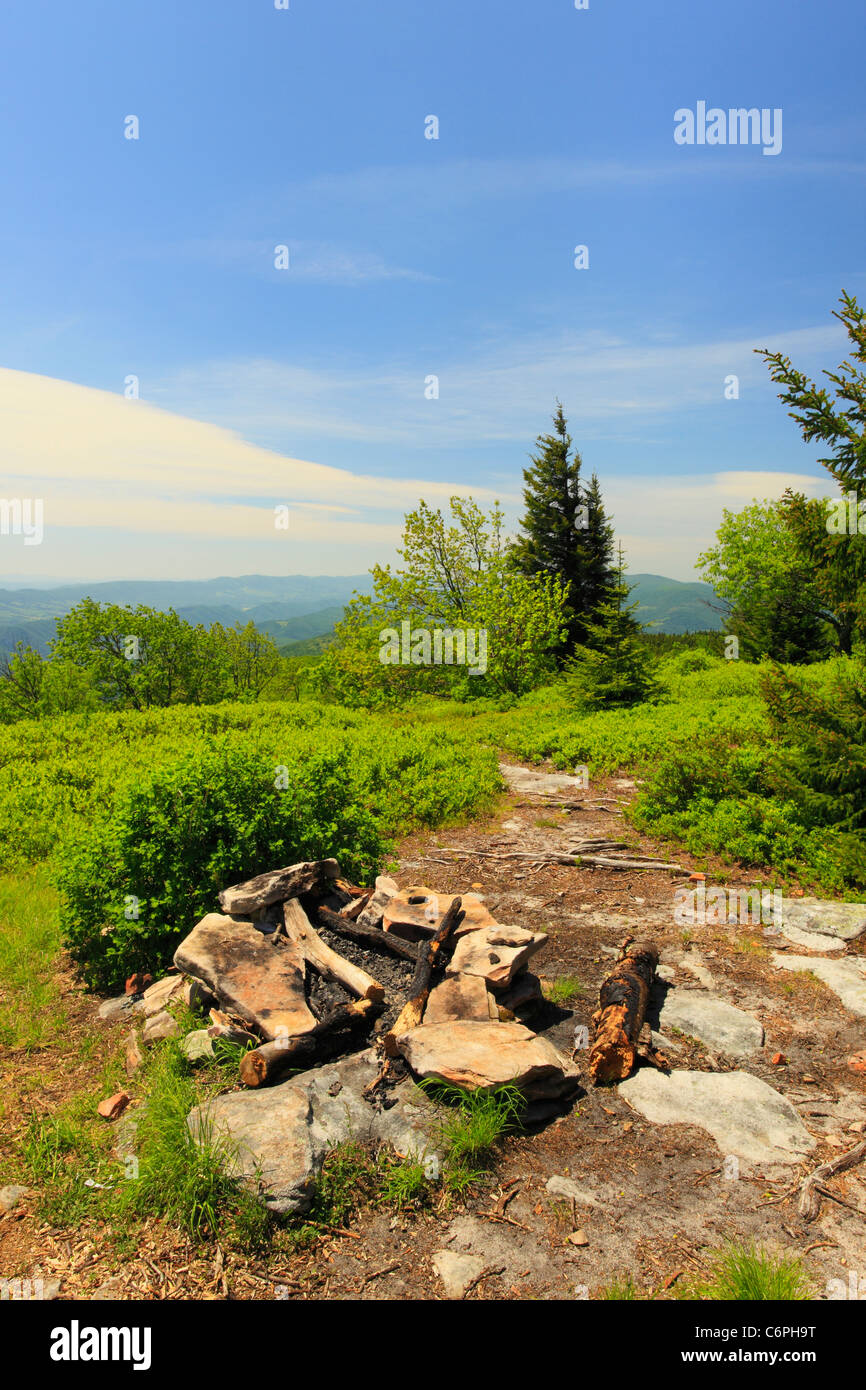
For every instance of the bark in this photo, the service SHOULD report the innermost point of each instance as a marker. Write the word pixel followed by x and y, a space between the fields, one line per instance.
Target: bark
pixel 300 930
pixel 370 936
pixel 622 1008
pixel 265 1064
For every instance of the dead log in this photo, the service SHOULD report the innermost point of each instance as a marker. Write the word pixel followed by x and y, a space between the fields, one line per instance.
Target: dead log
pixel 428 956
pixel 370 936
pixel 265 1064
pixel 622 1008
pixel 809 1204
pixel 300 929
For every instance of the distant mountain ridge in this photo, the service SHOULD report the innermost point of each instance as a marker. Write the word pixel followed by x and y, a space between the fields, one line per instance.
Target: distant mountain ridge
pixel 293 608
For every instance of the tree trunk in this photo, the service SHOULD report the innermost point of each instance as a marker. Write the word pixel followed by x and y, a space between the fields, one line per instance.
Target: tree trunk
pixel 622 1008
pixel 370 936
pixel 264 1064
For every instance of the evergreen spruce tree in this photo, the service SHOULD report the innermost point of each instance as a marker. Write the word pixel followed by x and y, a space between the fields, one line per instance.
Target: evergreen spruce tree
pixel 566 532
pixel 613 667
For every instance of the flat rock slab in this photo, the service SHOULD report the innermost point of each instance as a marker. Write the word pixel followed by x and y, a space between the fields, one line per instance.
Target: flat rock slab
pixel 529 782
pixel 413 913
pixel 279 1135
pixel 461 997
pixel 713 1022
pixel 278 886
pixel 846 978
pixel 743 1114
pixel 156 996
pixel 845 921
pixel 260 980
pixel 495 953
pixel 479 1056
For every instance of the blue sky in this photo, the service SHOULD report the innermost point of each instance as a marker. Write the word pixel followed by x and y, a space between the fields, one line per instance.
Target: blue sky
pixel 410 257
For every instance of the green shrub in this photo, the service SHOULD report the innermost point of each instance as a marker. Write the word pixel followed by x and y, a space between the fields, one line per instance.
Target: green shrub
pixel 138 880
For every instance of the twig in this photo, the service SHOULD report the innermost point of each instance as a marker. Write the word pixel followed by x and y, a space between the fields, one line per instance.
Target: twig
pixel 377 1274
pixel 487 1273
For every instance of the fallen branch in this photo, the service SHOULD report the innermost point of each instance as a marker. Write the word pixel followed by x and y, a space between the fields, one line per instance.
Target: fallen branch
pixel 370 936
pixel 413 1010
pixel 622 1009
pixel 264 1064
pixel 811 1191
pixel 300 929
pixel 575 860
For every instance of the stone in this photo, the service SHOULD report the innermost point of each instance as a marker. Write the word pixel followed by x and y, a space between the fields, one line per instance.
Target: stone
pixel 261 981
pixel 559 1186
pixel 845 921
pixel 531 783
pixel 159 1027
pixel 279 885
pixel 846 978
pixel 157 995
pixel 113 1106
pixel 111 1009
pixel 280 1134
pixel 525 993
pixel 713 1022
pixel 579 1238
pixel 385 889
pixel 456 1271
pixel 11 1196
pixel 458 997
pixel 197 1045
pixel 133 1057
pixel 414 913
pixel 479 1056
pixel 495 953
pixel 744 1115
pixel 699 970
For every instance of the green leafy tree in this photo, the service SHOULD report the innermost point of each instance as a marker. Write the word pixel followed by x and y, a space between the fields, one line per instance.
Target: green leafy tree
pixel 135 658
pixel 759 572
pixel 837 418
pixel 566 534
pixel 456 575
pixel 613 667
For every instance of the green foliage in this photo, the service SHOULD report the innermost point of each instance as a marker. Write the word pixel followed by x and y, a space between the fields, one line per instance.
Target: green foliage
pixel 837 562
pixel 615 667
pixel 456 578
pixel 758 570
pixel 187 1182
pixel 822 762
pixel 747 1274
pixel 471 1127
pixel 30 1011
pixel 135 883
pixel 564 989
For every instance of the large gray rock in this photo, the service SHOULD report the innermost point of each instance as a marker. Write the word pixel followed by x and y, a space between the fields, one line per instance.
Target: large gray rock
pixel 278 885
pixel 279 1135
pixel 744 1115
pixel 845 921
pixel 260 980
pixel 846 978
pixel 479 1056
pixel 713 1022
pixel 531 783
